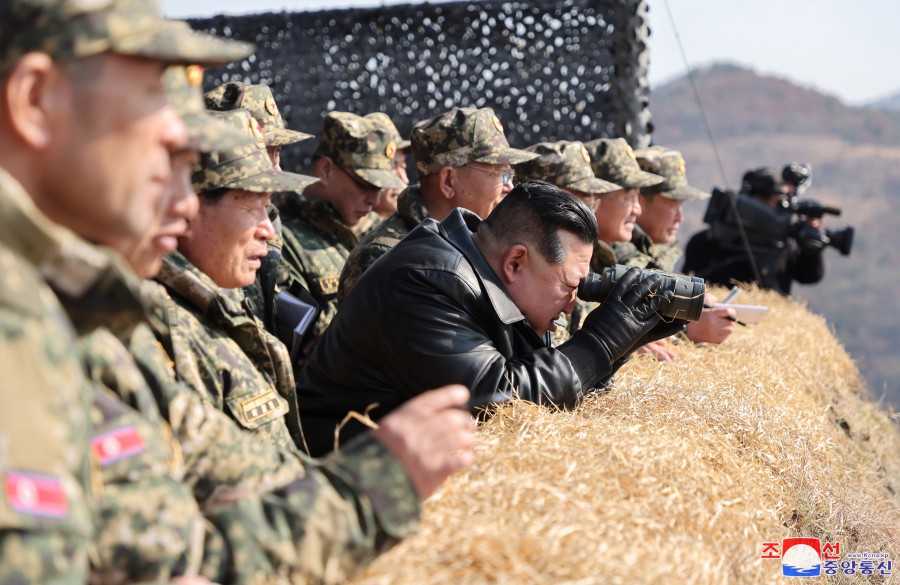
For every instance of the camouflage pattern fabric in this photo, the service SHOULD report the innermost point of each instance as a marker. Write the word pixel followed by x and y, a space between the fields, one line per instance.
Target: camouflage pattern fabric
pixel 462 136
pixel 316 247
pixel 316 521
pixel 259 101
pixel 385 120
pixel 281 515
pixel 643 253
pixel 603 256
pixel 566 165
pixel 219 346
pixel 410 213
pixel 45 516
pixel 69 29
pixel 670 165
pixel 182 85
pixel 613 160
pixel 364 145
pixel 248 168
pixel 366 224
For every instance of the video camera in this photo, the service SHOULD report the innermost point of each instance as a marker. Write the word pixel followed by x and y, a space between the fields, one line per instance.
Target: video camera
pixel 768 228
pixel 688 291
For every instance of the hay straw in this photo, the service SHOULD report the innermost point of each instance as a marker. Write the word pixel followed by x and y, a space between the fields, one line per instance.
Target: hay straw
pixel 677 475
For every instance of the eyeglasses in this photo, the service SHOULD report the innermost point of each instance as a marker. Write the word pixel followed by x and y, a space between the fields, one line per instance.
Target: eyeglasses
pixel 507 175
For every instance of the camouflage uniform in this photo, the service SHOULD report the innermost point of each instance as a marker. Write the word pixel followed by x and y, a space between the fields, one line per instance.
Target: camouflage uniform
pixel 218 346
pixel 410 213
pixel 316 240
pixel 669 164
pixel 259 101
pixel 642 252
pixel 452 139
pixel 45 518
pixel 43 502
pixel 613 160
pixel 283 516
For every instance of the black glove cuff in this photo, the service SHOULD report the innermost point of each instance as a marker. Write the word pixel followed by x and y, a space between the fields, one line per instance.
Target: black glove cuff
pixel 589 358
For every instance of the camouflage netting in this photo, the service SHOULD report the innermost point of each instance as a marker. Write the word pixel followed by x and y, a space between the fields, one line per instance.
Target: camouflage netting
pixel 572 69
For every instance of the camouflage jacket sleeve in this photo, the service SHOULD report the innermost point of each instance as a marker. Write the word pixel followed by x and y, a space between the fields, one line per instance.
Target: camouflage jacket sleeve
pixel 629 255
pixel 277 510
pixel 359 261
pixel 148 524
pixel 45 523
pixel 328 523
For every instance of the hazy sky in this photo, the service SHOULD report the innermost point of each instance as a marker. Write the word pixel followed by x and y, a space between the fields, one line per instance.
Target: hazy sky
pixel 847 49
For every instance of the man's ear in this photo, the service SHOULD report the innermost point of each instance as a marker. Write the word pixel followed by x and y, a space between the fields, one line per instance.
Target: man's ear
pixel 31 96
pixel 448 180
pixel 514 262
pixel 325 170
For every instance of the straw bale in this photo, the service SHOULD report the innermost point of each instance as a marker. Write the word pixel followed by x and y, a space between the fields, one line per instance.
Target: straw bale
pixel 678 474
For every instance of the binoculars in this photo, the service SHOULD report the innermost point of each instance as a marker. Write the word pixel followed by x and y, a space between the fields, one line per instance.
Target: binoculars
pixel 688 291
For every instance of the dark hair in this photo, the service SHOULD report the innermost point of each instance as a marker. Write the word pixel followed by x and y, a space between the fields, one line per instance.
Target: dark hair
pixel 534 212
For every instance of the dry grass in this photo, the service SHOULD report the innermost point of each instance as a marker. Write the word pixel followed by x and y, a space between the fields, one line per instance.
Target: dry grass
pixel 675 476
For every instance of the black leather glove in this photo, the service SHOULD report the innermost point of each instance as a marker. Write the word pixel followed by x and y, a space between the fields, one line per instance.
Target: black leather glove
pixel 610 331
pixel 665 328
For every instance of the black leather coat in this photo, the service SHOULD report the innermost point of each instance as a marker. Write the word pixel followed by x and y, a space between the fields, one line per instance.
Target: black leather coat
pixel 428 313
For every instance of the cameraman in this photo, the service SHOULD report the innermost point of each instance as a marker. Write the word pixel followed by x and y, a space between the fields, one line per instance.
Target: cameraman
pixel 800 260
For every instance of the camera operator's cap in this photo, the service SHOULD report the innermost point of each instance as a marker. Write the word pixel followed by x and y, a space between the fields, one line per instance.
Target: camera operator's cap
pixel 260 102
pixel 384 119
pixel 363 145
pixel 69 29
pixel 565 164
pixel 182 85
pixel 762 182
pixel 462 136
pixel 668 164
pixel 245 167
pixel 613 160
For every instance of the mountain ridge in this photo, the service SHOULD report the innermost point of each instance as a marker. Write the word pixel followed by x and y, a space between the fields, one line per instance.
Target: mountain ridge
pixel 760 120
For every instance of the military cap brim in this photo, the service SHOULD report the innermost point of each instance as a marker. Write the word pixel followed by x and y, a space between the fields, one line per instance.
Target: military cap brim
pixel 683 193
pixel 593 186
pixel 404 145
pixel 380 178
pixel 208 134
pixel 176 43
pixel 283 136
pixel 272 181
pixel 507 156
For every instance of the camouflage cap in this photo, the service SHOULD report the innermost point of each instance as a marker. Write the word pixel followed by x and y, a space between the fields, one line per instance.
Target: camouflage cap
pixel 182 85
pixel 386 120
pixel 362 144
pixel 260 102
pixel 462 136
pixel 613 160
pixel 668 164
pixel 248 168
pixel 565 164
pixel 68 29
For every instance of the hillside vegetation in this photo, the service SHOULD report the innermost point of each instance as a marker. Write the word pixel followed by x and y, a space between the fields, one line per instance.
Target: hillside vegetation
pixel 759 120
pixel 677 475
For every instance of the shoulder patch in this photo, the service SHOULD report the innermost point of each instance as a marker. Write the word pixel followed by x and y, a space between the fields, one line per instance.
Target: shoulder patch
pixel 329 284
pixel 117 444
pixel 36 495
pixel 259 406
